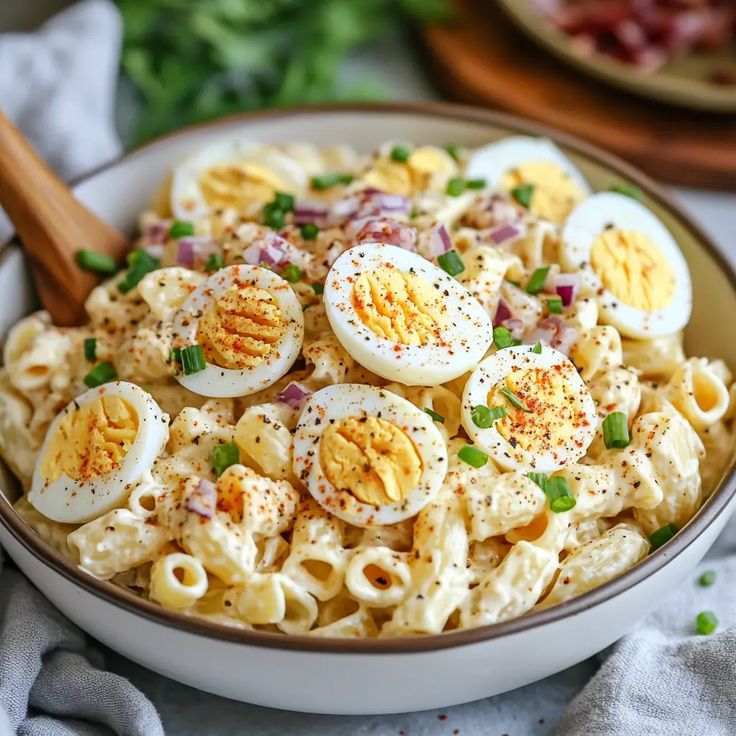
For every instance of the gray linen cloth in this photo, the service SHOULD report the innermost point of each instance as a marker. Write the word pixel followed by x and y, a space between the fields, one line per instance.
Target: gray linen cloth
pixel 660 679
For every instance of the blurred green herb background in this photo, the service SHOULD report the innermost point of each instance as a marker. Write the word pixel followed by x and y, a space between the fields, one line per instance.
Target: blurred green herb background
pixel 192 60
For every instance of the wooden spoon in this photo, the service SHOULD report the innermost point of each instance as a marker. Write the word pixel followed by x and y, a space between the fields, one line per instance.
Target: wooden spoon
pixel 53 225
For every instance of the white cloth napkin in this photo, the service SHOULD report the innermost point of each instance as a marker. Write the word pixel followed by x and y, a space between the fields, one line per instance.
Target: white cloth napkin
pixel 58 86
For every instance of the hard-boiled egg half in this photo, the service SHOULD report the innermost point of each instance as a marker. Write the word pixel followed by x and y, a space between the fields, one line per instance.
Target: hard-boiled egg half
pixel 230 175
pixel 536 412
pixel 96 450
pixel 404 318
pixel 630 259
pixel 249 325
pixel 535 171
pixel 368 456
pixel 405 169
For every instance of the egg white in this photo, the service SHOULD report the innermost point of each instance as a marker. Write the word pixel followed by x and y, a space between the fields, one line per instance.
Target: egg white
pixel 73 501
pixel 218 382
pixel 463 342
pixel 187 199
pixel 344 400
pixel 490 373
pixel 586 222
pixel 494 161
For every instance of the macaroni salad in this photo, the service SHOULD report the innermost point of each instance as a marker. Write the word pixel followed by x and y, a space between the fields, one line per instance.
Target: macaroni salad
pixel 355 396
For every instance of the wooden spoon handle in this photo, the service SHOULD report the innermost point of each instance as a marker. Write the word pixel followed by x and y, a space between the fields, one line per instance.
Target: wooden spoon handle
pixel 53 225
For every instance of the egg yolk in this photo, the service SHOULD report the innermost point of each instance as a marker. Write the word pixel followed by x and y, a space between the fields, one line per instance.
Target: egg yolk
pixel 91 441
pixel 241 329
pixel 555 194
pixel 236 184
pixel 399 306
pixel 427 168
pixel 553 414
pixel 370 458
pixel 633 269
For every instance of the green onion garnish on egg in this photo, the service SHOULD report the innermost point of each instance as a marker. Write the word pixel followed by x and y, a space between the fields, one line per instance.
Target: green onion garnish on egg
pixel 451 263
pixel 435 416
pixel 514 400
pixel 192 359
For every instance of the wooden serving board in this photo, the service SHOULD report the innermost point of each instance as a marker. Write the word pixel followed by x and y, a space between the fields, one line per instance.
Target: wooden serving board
pixel 483 59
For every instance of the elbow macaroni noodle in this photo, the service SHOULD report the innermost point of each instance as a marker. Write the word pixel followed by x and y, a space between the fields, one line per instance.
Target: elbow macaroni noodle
pixel 245 543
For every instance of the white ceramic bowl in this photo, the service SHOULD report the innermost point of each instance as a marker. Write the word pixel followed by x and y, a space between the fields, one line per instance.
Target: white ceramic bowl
pixel 386 675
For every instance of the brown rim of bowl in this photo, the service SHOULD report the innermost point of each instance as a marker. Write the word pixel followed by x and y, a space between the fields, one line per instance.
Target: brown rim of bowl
pixel 705 516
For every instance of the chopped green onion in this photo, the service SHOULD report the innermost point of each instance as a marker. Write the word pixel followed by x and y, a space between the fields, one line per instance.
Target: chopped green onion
pixel 514 400
pixel 473 456
pixel 214 262
pixel 223 456
pixel 284 202
pixel 175 355
pixel 451 263
pixel 662 535
pixel 400 154
pixel 560 494
pixel 292 273
pixel 435 416
pixel 475 183
pixel 523 194
pixel 91 260
pixel 454 149
pixel 273 216
pixel 513 282
pixel 706 623
pixel 192 359
pixel 318 288
pixel 181 229
pixel 554 305
pixel 325 181
pixel 502 338
pixel 90 349
pixel 628 190
pixel 456 186
pixel 309 231
pixel 707 579
pixel 539 478
pixel 101 373
pixel 484 416
pixel 537 348
pixel 536 282
pixel 616 430
pixel 139 264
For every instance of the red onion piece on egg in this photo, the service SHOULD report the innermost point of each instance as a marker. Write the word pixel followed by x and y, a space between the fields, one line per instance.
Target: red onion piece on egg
pixel 157 233
pixel 203 499
pixel 294 395
pixel 185 253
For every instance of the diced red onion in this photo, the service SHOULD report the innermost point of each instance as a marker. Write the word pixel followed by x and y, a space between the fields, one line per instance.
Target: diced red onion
pixel 344 208
pixel 555 332
pixel 294 395
pixel 185 253
pixel 567 286
pixel 386 230
pixel 502 313
pixel 515 326
pixel 310 211
pixel 274 251
pixel 157 233
pixel 203 499
pixel 193 248
pixel 503 233
pixel 438 241
pixel 503 210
